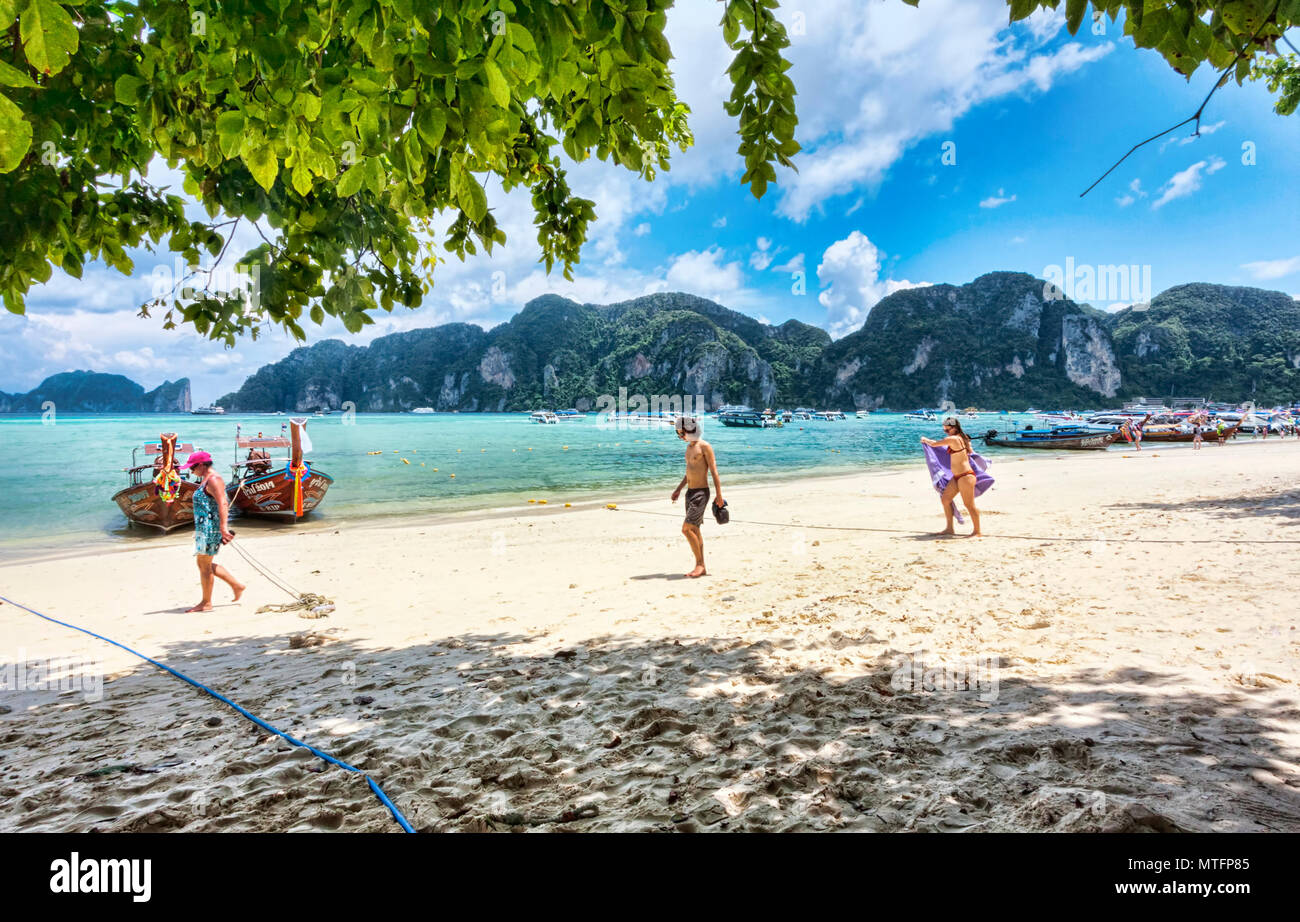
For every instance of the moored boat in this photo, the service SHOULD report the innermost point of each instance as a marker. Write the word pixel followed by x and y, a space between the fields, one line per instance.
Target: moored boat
pixel 1185 433
pixel 921 416
pixel 166 499
pixel 1067 438
pixel 285 488
pixel 545 417
pixel 745 417
pixel 208 411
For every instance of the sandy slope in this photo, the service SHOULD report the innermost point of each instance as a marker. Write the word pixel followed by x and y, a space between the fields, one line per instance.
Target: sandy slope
pixel 1133 649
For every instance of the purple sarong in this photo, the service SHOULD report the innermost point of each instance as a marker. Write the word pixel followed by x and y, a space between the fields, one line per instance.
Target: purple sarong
pixel 936 459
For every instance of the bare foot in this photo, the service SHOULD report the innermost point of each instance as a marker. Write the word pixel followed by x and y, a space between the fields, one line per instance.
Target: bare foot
pixel 697 572
pixel 976 534
pixel 202 606
pixel 946 531
pixel 239 590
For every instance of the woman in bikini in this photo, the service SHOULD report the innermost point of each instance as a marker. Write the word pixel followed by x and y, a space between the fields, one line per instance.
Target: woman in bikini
pixel 963 475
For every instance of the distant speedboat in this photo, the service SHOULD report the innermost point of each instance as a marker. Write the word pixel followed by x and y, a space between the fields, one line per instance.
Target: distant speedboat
pixel 921 416
pixel 569 415
pixel 745 417
pixel 862 414
pixel 424 411
pixel 208 411
pixel 545 417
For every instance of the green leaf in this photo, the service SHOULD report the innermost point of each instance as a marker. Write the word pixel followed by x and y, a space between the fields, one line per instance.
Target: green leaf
pixel 496 84
pixel 230 133
pixel 262 163
pixel 350 181
pixel 300 178
pixel 1074 12
pixel 15 135
pixel 48 35
pixel 127 89
pixel 431 124
pixel 469 194
pixel 11 76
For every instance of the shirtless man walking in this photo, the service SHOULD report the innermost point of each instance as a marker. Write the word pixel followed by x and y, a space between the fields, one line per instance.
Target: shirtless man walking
pixel 700 463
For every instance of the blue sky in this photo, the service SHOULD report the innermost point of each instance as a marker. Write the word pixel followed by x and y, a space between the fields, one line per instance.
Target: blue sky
pixel 1032 115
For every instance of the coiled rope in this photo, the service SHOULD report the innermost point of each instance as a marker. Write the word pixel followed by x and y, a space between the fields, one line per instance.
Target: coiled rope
pixel 378 791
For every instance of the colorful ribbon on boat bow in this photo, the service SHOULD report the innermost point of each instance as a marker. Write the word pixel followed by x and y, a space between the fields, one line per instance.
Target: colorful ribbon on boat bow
pixel 168 484
pixel 298 474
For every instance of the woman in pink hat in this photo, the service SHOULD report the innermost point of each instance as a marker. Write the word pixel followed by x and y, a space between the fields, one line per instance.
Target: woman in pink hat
pixel 211 527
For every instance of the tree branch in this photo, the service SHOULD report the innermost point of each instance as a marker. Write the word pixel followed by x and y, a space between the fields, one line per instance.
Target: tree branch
pixel 1196 116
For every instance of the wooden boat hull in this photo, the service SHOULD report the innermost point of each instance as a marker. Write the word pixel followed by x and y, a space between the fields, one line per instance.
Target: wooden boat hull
pixel 1098 441
pixel 142 506
pixel 1209 435
pixel 270 495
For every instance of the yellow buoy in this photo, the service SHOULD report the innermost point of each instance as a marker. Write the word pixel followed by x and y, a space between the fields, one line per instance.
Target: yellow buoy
pixel 541 502
pixel 404 461
pixel 532 500
pixel 421 464
pixel 457 451
pixel 567 505
pixel 453 476
pixel 435 470
pixel 611 505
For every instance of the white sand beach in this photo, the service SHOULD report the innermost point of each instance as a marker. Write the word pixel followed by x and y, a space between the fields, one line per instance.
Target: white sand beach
pixel 1129 624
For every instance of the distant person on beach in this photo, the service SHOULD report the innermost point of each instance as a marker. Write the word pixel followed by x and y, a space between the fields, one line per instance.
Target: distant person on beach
pixel 1136 430
pixel 700 463
pixel 1197 429
pixel 963 475
pixel 211 528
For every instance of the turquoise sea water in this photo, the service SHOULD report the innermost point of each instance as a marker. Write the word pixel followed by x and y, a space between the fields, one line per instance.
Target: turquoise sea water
pixel 57 481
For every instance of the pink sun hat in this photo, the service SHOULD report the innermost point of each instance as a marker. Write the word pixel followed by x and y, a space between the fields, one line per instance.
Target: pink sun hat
pixel 198 457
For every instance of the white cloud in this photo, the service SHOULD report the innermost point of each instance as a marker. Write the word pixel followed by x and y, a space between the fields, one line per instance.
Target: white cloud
pixel 707 274
pixel 794 264
pixel 761 258
pixel 1185 182
pixel 875 79
pixel 720 222
pixel 997 201
pixel 1135 192
pixel 641 229
pixel 850 275
pixel 1269 269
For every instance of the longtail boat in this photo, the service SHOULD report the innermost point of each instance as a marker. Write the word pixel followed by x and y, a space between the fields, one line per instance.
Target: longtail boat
pixel 1166 434
pixel 1067 438
pixel 284 488
pixel 157 495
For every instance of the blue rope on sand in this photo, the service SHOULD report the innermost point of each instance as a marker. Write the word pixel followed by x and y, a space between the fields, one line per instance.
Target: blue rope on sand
pixel 379 792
